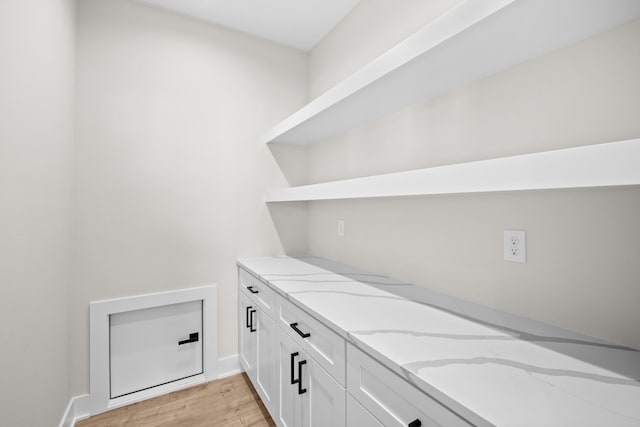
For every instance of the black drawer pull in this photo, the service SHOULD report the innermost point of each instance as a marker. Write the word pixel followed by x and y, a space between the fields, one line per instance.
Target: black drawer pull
pixel 251 325
pixel 415 423
pixel 300 389
pixel 193 337
pixel 294 326
pixel 247 325
pixel 253 291
pixel 293 374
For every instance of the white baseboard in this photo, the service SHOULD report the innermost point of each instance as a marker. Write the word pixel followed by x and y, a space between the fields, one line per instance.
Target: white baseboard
pixel 79 407
pixel 228 366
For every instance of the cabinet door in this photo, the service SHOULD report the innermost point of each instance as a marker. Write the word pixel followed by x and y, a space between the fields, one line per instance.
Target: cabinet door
pixel 247 335
pixel 324 404
pixel 265 359
pixel 289 402
pixel 314 399
pixel 358 416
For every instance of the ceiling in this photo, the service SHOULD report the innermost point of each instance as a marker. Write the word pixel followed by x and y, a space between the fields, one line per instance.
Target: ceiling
pixel 297 23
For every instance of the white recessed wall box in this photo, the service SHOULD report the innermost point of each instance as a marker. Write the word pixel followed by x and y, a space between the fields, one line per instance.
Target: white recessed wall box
pixel 147 345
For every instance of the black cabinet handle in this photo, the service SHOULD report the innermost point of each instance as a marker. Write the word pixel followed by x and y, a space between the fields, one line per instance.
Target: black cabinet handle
pixel 294 326
pixel 253 291
pixel 415 423
pixel 247 324
pixel 193 337
pixel 293 374
pixel 300 389
pixel 251 325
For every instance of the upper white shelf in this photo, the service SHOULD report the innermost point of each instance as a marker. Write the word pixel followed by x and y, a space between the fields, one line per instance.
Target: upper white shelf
pixel 601 165
pixel 476 39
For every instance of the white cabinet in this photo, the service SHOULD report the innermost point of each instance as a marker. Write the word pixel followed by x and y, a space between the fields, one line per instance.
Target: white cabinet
pixel 290 401
pixel 247 340
pixel 257 348
pixel 325 346
pixel 326 398
pixel 391 399
pixel 154 346
pixel 265 380
pixel 358 416
pixel 260 293
pixel 296 364
pixel 300 368
pixel 308 396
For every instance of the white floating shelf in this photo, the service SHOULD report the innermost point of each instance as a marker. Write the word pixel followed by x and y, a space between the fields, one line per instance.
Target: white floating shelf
pixel 476 39
pixel 601 165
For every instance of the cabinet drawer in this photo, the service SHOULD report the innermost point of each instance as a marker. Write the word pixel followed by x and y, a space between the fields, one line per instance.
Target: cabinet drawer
pixel 391 399
pixel 326 347
pixel 260 293
pixel 357 416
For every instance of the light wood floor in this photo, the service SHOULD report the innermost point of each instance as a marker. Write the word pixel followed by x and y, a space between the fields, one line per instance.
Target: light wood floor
pixel 227 402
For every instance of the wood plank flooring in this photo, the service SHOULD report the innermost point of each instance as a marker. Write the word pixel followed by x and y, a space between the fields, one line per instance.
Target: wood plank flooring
pixel 227 402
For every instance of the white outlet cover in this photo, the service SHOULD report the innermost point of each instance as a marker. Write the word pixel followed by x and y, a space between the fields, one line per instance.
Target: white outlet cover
pixel 341 228
pixel 515 246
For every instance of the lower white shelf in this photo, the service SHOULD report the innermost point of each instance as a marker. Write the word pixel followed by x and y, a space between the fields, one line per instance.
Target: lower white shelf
pixel 601 165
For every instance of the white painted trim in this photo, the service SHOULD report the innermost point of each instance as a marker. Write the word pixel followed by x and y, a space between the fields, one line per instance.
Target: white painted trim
pixel 68 415
pixel 77 409
pixel 600 165
pixel 448 53
pixel 155 392
pixel 229 366
pixel 99 312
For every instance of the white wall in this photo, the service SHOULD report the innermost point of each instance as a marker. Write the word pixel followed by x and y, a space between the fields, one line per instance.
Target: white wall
pixel 371 28
pixel 36 123
pixel 170 173
pixel 583 245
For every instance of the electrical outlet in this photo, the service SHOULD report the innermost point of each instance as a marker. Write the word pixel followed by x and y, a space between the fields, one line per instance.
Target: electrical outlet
pixel 341 228
pixel 515 248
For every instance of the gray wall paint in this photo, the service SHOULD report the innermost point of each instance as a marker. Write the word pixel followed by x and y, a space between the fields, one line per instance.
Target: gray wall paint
pixel 583 245
pixel 170 174
pixel 37 44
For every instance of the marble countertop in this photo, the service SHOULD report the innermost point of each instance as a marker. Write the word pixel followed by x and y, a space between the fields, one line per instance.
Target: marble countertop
pixel 492 368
